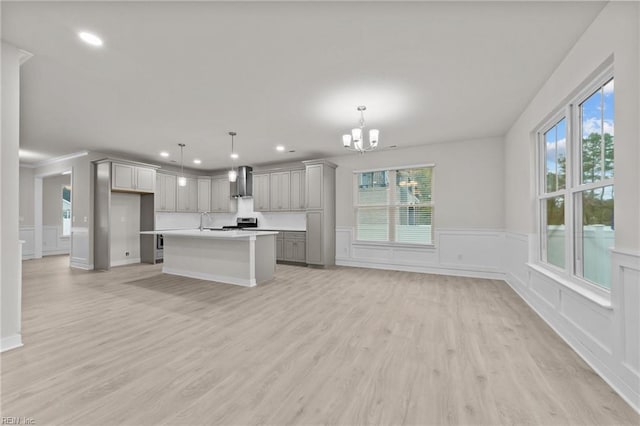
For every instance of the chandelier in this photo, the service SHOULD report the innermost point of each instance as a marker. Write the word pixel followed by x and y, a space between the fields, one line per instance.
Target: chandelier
pixel 357 136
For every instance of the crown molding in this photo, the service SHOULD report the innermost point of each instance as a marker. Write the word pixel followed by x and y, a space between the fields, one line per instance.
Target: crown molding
pixel 24 56
pixel 59 159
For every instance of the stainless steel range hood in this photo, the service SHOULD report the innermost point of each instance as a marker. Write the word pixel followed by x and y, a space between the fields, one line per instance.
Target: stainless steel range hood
pixel 243 186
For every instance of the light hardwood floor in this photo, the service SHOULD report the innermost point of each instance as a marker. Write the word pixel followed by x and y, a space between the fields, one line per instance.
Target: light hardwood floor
pixel 341 346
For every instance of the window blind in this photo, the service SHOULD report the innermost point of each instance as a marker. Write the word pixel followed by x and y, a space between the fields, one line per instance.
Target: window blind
pixel 395 205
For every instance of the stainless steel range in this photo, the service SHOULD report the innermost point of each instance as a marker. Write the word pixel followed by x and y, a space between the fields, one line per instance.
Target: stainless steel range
pixel 241 223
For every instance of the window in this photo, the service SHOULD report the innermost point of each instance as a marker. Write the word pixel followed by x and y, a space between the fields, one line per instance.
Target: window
pixel 66 210
pixel 395 205
pixel 576 195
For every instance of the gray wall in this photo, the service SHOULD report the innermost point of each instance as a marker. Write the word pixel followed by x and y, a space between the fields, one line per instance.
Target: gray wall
pixel 468 181
pixel 82 201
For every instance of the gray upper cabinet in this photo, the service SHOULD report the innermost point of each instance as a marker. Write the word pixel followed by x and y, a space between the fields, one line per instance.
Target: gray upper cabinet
pixel 123 177
pixel 204 194
pixel 315 186
pixel 280 191
pixel 128 177
pixel 188 196
pixel 221 200
pixel 145 179
pixel 165 193
pixel 297 199
pixel 261 193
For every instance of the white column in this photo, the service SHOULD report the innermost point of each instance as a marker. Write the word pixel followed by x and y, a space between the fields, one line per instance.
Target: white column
pixel 10 249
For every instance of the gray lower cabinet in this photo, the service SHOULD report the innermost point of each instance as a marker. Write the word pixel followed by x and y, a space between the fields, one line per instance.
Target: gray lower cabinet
pixel 315 241
pixel 280 246
pixel 291 246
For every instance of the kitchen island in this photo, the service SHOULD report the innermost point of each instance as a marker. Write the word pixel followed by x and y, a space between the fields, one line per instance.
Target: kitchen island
pixel 238 257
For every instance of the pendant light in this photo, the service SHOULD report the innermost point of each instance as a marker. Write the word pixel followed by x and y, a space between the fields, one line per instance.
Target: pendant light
pixel 233 174
pixel 182 180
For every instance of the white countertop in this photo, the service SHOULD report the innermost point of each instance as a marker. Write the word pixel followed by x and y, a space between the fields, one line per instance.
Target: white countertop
pixel 280 228
pixel 221 235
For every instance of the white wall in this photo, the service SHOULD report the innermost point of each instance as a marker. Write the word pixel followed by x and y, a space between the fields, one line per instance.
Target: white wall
pixel 125 228
pixel 10 264
pixel 605 333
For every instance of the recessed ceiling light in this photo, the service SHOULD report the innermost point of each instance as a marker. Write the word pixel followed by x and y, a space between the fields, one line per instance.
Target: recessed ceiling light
pixel 196 161
pixel 164 154
pixel 89 38
pixel 234 156
pixel 280 148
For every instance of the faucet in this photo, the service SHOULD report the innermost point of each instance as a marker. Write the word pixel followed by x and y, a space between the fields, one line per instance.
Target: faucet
pixel 202 215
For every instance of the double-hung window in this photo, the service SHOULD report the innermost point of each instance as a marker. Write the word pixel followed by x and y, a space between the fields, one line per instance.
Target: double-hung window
pixel 576 185
pixel 395 205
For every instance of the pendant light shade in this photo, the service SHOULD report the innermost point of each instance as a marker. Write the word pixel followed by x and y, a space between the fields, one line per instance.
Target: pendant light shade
pixel 233 174
pixel 182 180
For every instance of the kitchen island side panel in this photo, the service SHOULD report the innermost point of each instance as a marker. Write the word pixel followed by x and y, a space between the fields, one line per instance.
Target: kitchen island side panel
pixel 240 261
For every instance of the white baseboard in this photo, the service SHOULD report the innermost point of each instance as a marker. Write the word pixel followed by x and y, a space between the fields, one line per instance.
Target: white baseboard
pixel 125 262
pixel 55 252
pixel 210 277
pixel 11 342
pixel 461 272
pixel 81 265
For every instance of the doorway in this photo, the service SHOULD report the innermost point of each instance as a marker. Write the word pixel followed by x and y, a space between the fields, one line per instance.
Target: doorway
pixel 53 194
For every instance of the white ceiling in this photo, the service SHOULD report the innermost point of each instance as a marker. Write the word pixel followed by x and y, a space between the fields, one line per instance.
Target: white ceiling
pixel 279 73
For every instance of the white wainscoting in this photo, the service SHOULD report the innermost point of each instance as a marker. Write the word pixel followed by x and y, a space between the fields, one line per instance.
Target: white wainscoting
pixel 80 248
pixel 53 242
pixel 605 335
pixel 28 235
pixel 463 252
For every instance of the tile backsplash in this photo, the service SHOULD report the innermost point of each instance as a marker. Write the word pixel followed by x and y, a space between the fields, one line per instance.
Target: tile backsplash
pixel 216 220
